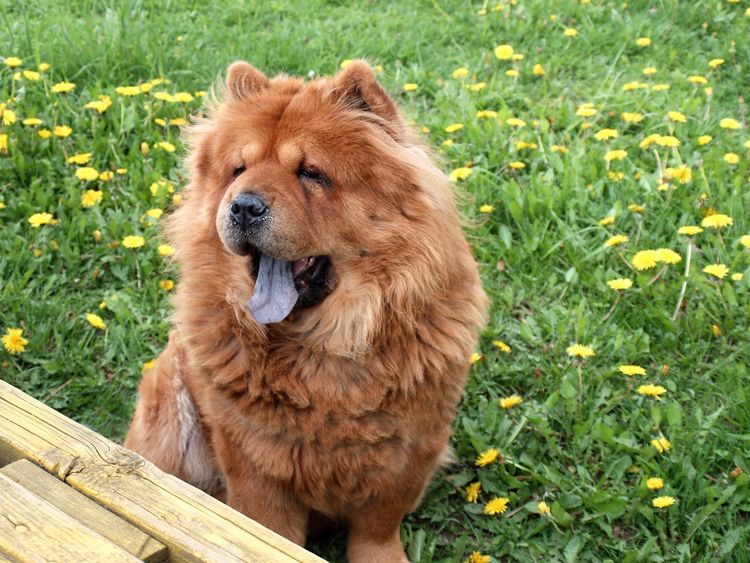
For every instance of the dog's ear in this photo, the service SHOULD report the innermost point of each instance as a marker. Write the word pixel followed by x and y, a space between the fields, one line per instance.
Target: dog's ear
pixel 243 79
pixel 358 88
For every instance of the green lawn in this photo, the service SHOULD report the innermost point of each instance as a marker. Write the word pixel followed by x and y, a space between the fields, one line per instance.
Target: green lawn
pixel 581 440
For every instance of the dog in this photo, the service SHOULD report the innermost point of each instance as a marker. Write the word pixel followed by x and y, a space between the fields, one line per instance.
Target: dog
pixel 327 307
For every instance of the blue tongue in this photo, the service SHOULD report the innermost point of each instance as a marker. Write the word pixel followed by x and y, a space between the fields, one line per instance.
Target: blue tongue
pixel 274 295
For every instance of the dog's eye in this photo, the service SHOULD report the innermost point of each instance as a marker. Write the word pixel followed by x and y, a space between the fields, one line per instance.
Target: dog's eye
pixel 239 170
pixel 307 174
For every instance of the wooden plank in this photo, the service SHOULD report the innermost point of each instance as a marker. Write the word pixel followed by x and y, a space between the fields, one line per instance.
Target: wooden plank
pixel 86 511
pixel 195 526
pixel 33 530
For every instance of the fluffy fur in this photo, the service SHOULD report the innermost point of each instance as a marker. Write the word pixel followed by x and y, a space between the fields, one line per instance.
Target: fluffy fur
pixel 343 409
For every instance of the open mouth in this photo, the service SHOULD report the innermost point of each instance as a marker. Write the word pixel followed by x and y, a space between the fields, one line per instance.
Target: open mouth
pixel 282 286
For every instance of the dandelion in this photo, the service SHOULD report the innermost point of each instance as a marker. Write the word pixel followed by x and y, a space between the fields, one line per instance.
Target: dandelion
pixel 649 140
pixel 606 134
pixel 155 213
pixel 96 321
pixel 538 70
pixel 631 370
pixel 183 97
pixel 729 123
pixel 718 270
pixel 3 143
pixel 106 176
pixel 608 220
pixel 580 351
pixel 704 139
pixel 716 221
pixel 39 219
pixel 486 114
pixel 515 122
pixel 487 457
pixel 13 340
pixel 497 505
pixel 504 52
pixel 698 80
pixel 165 250
pixel 620 284
pixel 453 127
pixel 521 145
pixel 737 276
pixel 689 230
pixel 81 158
pixel 486 208
pixel 543 508
pixel 147 365
pixel 63 87
pixel 475 357
pixel 667 256
pixel 644 260
pixel 631 117
pixel 101 105
pixel 133 241
pixel 516 165
pixel 677 117
pixel 615 240
pixel 745 241
pixel 178 121
pixel 630 86
pixel 651 390
pixel 655 483
pixel 661 444
pixel 510 402
pixel 476 556
pixel 477 87
pixel 502 346
pixel 660 87
pixel 716 330
pixel 731 158
pixel 714 63
pixel 32 121
pixel 410 87
pixel 13 62
pixel 9 116
pixel 635 208
pixel 87 174
pixel 91 198
pixel 559 149
pixel 667 141
pixel 166 285
pixel 586 111
pixel 460 173
pixel 166 145
pixel 663 502
pixel 618 154
pixel 472 491
pixel 460 73
pixel 61 131
pixel 44 133
pixel 643 41
pixel 570 32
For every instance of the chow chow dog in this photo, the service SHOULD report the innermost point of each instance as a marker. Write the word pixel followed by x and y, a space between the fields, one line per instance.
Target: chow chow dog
pixel 327 307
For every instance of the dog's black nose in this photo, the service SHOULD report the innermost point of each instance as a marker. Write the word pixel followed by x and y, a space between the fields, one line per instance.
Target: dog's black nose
pixel 247 209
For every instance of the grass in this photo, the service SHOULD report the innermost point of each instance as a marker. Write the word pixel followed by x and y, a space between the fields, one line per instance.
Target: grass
pixel 581 439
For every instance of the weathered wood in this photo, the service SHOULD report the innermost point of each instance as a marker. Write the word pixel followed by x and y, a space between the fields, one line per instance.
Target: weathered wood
pixel 195 526
pixel 34 530
pixel 86 511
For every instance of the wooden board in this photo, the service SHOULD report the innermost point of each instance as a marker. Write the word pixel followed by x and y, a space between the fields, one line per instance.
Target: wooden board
pixel 195 526
pixel 34 530
pixel 86 511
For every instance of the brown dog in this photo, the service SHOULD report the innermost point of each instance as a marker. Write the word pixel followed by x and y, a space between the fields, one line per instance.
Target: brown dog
pixel 327 308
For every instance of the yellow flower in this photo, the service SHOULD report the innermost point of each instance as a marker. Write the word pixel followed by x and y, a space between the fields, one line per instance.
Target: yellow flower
pixel 487 457
pixel 106 176
pixel 667 256
pixel 697 79
pixel 43 67
pixel 472 491
pixel 649 70
pixel 178 121
pixel 460 73
pixel 661 444
pixel 61 131
pixel 497 505
pixel 476 556
pixel 39 219
pixel 87 174
pixel 101 105
pixel 486 208
pixel 521 145
pixel 13 62
pixel 62 87
pixel 453 127
pixel 475 357
pixel 663 502
pixel 502 346
pixel 631 370
pixel 577 350
pixel 512 73
pixel 515 122
pixel 608 220
pixel 133 241
pixel 44 133
pixel 677 117
pixel 667 141
pixel 570 32
pixel 167 97
pixel 630 86
pixel 704 139
pixel 3 143
pixel 95 321
pixel 713 63
pixel 655 483
pixel 615 240
pixel 718 270
pixel 128 90
pixel 410 87
pixel 615 176
pixel 155 213
pixel 649 140
pixel 644 260
pixel 543 508
pixel 91 198
pixel 31 75
pixel 477 86
pixel 729 123
pixel 738 276
pixel 617 154
pixel 510 402
pixel 651 390
pixel 80 158
pixel 486 114
pixel 460 173
pixel 504 52
pixel 620 283
pixel 9 116
pixel 165 250
pixel 681 173
pixel 166 285
pixel 516 165
pixel 660 87
pixel 13 340
pixel 731 158
pixel 606 134
pixel 586 111
pixel 147 365
pixel 689 230
pixel 745 241
pixel 558 148
pixel 538 70
pixel 716 220
pixel 635 208
pixel 631 117
pixel 32 121
pixel 183 97
pixel 166 145
pixel 643 41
